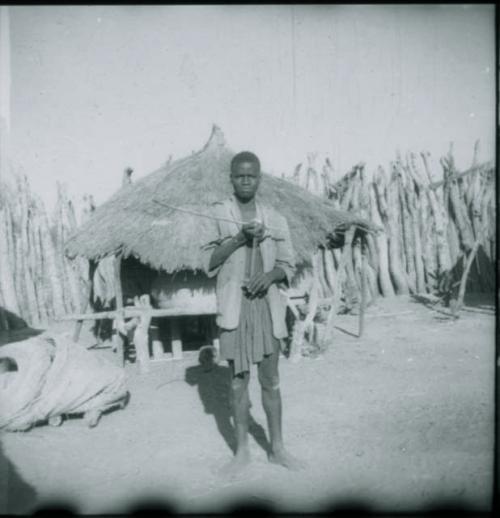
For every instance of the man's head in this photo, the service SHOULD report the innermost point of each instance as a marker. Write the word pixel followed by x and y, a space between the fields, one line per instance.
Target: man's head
pixel 245 175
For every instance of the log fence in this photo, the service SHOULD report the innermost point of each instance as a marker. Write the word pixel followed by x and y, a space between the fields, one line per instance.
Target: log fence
pixel 438 238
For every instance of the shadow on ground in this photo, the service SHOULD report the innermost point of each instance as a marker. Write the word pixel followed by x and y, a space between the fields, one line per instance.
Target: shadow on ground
pixel 214 388
pixel 16 495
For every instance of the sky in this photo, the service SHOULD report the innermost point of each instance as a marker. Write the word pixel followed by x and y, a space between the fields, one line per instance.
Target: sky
pixel 98 88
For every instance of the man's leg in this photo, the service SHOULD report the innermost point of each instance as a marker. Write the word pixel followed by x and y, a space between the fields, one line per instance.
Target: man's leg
pixel 271 401
pixel 241 412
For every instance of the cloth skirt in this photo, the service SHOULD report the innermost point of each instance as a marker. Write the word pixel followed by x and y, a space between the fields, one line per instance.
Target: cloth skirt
pixel 252 339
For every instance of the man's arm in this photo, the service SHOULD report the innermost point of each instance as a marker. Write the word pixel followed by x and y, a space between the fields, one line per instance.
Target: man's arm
pixel 225 249
pixel 230 245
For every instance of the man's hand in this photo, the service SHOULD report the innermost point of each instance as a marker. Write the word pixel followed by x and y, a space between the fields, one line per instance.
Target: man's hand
pixel 253 229
pixel 259 284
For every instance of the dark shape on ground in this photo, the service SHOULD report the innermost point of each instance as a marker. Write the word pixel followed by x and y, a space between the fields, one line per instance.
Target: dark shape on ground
pixel 476 302
pixel 16 495
pixel 345 331
pixel 214 385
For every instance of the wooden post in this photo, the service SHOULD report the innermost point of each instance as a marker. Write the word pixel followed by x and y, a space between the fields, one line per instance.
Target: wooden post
pixel 72 268
pixel 156 345
pixel 458 209
pixel 176 339
pixel 50 264
pixel 439 218
pixel 78 330
pixel 414 208
pixel 327 288
pixel 381 247
pixel 351 286
pixel 79 323
pixel 387 198
pixel 308 323
pixel 329 269
pixel 141 336
pixel 117 337
pixel 214 335
pixel 463 281
pixel 27 252
pixel 406 230
pixel 36 261
pixel 362 305
pixel 349 235
pixel 118 282
pixel 216 344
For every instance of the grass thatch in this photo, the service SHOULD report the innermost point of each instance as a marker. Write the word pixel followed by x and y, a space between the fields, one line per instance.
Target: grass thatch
pixel 124 223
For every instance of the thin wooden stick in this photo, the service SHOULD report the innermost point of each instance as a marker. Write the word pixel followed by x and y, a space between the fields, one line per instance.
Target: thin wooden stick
pixel 229 220
pixel 456 176
pixel 202 215
pixel 253 257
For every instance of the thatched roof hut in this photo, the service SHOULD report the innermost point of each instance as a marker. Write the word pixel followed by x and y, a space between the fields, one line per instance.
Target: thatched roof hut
pixel 124 224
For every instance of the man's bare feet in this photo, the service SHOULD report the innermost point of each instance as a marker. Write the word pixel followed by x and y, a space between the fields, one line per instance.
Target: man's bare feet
pixel 281 457
pixel 237 465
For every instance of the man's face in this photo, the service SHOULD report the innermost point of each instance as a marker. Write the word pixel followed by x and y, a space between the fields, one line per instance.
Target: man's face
pixel 245 180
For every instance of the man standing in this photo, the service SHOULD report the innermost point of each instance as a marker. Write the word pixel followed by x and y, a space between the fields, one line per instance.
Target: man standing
pixel 251 309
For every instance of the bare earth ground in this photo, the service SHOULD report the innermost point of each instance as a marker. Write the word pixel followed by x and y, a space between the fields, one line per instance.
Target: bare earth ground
pixel 399 420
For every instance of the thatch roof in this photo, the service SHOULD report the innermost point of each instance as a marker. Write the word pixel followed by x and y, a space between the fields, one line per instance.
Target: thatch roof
pixel 124 222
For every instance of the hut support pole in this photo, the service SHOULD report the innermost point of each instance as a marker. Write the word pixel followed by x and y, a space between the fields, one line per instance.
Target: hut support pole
pixel 215 336
pixel 79 323
pixel 216 344
pixel 141 336
pixel 77 331
pixel 78 328
pixel 118 345
pixel 176 339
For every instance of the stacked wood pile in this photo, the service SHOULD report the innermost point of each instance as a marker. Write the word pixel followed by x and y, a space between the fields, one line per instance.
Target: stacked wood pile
pixel 436 222
pixel 37 281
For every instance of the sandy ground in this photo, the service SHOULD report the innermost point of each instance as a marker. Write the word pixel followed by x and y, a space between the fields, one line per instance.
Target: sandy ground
pixel 399 420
